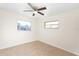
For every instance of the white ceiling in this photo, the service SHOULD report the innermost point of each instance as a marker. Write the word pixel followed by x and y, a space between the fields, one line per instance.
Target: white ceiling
pixel 52 8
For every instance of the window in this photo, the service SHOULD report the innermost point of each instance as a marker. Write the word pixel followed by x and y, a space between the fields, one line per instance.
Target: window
pixel 51 24
pixel 24 26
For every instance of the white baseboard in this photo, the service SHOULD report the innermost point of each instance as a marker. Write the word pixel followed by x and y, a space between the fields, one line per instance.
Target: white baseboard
pixel 76 53
pixel 17 44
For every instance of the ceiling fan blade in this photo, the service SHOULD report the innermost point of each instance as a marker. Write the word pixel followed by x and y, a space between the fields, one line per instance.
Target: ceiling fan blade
pixel 28 11
pixel 32 6
pixel 43 8
pixel 40 13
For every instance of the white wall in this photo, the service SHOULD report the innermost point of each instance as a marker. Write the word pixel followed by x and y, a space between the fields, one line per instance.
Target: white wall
pixel 67 36
pixel 9 35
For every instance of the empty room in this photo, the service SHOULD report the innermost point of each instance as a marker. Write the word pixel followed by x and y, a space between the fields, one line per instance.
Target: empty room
pixel 39 29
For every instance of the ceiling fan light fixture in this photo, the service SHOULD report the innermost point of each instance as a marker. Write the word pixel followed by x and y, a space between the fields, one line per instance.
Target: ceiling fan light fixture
pixel 35 12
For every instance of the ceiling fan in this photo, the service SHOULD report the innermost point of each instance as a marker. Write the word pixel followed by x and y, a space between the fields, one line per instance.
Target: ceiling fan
pixel 35 10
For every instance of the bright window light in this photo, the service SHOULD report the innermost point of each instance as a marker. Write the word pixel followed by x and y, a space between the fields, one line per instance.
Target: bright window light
pixel 23 26
pixel 52 24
